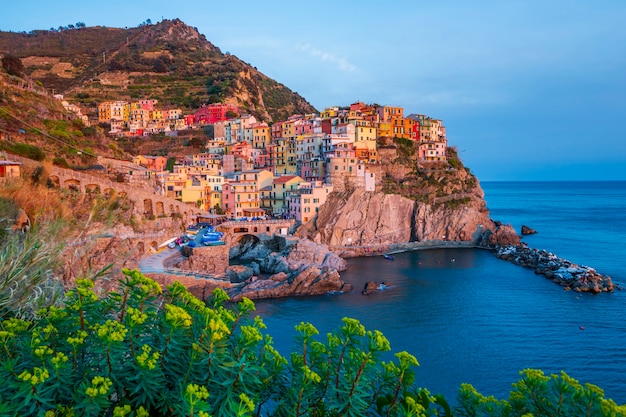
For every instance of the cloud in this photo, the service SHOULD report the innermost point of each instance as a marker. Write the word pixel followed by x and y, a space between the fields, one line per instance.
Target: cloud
pixel 341 63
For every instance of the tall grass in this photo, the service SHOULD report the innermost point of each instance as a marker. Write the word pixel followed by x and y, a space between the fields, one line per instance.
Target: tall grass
pixel 27 278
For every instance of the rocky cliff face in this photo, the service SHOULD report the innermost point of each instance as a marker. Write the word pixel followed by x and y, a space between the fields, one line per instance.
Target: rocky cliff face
pixel 360 218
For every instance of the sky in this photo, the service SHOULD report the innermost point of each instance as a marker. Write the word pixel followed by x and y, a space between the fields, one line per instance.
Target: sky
pixel 528 90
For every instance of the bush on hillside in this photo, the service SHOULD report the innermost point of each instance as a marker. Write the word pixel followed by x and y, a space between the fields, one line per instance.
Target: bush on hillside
pixel 26 150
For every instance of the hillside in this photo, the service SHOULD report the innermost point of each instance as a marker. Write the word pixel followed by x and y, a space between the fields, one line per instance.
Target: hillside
pixel 36 125
pixel 168 61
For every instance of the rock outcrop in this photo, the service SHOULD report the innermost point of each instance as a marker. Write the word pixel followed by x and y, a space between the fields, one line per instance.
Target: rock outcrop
pixel 309 281
pixel 528 231
pixel 304 268
pixel 359 218
pixel 561 271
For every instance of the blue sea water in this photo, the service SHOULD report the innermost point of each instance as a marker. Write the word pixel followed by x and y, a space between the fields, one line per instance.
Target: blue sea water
pixel 470 317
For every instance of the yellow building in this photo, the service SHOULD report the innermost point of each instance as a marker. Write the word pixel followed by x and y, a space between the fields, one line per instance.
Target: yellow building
pixel 156 115
pixel 260 177
pixel 261 135
pixel 104 112
pixel 329 113
pixel 281 188
pixel 365 131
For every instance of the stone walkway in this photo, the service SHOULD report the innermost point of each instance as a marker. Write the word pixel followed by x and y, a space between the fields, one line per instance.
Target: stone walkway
pixel 155 263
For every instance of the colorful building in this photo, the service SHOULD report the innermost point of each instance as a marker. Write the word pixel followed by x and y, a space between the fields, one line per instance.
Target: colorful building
pixel 305 202
pixel 211 113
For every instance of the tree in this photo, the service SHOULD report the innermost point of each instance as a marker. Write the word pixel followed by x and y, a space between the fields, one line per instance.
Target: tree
pixel 13 65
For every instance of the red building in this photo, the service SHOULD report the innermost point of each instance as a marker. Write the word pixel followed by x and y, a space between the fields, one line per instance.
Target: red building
pixel 209 114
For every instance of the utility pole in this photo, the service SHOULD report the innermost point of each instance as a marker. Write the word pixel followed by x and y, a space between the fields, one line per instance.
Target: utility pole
pixel 104 57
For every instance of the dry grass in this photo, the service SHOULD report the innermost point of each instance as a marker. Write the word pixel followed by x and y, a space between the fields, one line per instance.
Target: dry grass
pixel 41 203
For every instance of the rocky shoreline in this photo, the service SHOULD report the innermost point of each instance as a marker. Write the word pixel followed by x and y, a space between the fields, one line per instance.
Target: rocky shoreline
pixel 569 275
pixel 305 268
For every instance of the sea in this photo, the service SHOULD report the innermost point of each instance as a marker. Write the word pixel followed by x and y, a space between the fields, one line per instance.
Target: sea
pixel 470 317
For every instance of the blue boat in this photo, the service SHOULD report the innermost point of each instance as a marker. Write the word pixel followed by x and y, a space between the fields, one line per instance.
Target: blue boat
pixel 388 257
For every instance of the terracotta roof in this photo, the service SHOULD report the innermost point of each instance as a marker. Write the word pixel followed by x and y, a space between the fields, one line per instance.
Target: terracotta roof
pixel 284 178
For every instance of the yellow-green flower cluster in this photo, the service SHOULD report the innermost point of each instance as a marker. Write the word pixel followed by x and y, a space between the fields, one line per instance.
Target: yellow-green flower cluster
pixel 123 411
pixel 218 329
pixel 5 336
pixel 246 403
pixel 352 327
pixel 177 316
pixel 148 359
pixel 99 386
pixel 251 334
pixel 50 330
pixel 146 285
pixel 37 376
pixel 78 340
pixel 136 317
pixel 310 375
pixel 84 288
pixel 15 325
pixel 306 329
pixel 196 393
pixel 55 313
pixel 246 305
pixel 111 331
pixel 406 360
pixel 59 359
pixel 378 341
pixel 42 351
pixel 180 292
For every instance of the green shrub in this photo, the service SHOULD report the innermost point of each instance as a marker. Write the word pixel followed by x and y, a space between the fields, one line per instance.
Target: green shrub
pixel 60 162
pixel 147 352
pixel 28 151
pixel 168 354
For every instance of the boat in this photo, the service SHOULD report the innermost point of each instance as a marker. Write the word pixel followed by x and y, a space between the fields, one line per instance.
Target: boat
pixel 388 256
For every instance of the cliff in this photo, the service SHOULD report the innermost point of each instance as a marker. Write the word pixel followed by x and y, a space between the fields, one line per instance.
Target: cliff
pixel 438 203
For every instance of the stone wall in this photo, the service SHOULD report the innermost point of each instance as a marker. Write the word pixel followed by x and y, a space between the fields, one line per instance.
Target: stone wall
pixel 206 260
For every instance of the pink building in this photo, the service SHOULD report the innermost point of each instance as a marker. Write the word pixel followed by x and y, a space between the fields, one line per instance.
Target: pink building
pixel 305 202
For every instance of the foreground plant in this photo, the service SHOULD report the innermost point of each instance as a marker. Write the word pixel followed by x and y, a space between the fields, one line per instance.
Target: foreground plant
pixel 540 395
pixel 144 352
pixel 27 279
pixel 147 352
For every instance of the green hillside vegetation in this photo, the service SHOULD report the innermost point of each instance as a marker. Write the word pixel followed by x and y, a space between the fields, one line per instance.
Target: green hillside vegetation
pixel 168 61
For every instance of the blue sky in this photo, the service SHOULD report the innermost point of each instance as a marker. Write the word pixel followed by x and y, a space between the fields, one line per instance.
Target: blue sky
pixel 528 90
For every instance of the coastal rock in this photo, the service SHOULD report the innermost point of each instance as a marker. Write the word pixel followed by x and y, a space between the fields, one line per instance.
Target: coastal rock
pixel 273 263
pixel 309 281
pixel 239 273
pixel 528 231
pixel 370 288
pixel 560 271
pixel 504 235
pixel 307 252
